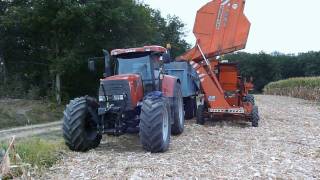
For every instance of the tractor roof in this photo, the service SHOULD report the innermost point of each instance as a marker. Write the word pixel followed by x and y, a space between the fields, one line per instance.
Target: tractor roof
pixel 158 49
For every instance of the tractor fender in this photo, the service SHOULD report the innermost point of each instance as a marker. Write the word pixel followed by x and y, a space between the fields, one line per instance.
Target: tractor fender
pixel 168 84
pixel 168 90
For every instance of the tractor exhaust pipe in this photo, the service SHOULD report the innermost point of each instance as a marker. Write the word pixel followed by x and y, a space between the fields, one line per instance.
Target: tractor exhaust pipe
pixel 107 67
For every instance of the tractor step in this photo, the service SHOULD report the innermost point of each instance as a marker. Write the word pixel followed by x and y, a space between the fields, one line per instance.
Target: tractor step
pixel 112 132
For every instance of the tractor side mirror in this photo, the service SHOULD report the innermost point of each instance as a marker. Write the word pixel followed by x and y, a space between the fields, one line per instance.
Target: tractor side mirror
pixel 92 66
pixel 166 58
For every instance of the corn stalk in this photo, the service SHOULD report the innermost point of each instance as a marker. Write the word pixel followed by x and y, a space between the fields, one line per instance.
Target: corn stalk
pixel 7 165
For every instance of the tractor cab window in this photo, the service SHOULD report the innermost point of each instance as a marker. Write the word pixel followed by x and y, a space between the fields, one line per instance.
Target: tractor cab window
pixel 140 66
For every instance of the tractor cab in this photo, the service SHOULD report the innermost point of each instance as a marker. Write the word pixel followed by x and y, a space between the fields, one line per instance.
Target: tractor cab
pixel 137 73
pixel 145 62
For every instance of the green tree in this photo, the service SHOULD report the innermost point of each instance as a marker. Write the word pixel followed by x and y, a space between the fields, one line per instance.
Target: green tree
pixel 266 68
pixel 45 40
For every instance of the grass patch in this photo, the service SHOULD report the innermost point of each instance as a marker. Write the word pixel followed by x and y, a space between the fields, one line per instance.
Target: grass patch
pixel 45 113
pixel 305 88
pixel 38 152
pixel 14 113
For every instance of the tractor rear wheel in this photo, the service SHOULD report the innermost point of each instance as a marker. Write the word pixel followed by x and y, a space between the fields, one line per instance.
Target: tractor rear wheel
pixel 250 98
pixel 255 116
pixel 177 107
pixel 200 116
pixel 190 107
pixel 79 129
pixel 155 124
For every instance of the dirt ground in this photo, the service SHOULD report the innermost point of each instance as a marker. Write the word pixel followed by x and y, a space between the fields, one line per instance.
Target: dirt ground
pixel 33 130
pixel 286 145
pixel 22 112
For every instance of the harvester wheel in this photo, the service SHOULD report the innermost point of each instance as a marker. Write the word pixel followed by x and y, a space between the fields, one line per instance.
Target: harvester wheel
pixel 190 107
pixel 155 124
pixel 79 129
pixel 255 116
pixel 177 107
pixel 200 117
pixel 250 98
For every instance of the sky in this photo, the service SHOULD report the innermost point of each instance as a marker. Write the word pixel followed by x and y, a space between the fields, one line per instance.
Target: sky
pixel 287 26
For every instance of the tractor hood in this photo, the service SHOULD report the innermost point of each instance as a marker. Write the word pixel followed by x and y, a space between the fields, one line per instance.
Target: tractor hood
pixel 122 90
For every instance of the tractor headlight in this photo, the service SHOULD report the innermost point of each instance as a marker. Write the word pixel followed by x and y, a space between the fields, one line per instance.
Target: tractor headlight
pixel 118 97
pixel 111 98
pixel 102 99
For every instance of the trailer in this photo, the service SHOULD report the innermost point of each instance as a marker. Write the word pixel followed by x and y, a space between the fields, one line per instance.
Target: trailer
pixel 190 85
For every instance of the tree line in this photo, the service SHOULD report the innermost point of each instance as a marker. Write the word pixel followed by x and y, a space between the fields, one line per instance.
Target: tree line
pixel 45 41
pixel 266 68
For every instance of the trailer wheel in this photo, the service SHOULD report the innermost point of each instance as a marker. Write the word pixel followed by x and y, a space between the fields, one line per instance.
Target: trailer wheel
pixel 250 98
pixel 155 124
pixel 200 116
pixel 190 107
pixel 255 116
pixel 79 129
pixel 178 112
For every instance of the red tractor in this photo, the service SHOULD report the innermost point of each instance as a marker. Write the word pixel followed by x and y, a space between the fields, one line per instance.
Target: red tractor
pixel 140 97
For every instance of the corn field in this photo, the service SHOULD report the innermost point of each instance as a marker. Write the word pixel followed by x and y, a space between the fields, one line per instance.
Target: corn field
pixel 305 88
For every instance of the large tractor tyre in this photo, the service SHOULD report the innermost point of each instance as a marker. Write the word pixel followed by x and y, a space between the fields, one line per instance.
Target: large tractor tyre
pixel 178 111
pixel 155 124
pixel 190 107
pixel 255 116
pixel 195 106
pixel 200 116
pixel 79 129
pixel 250 98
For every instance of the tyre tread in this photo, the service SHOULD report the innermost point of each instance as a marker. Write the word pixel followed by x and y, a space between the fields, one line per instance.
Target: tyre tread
pixel 73 125
pixel 151 124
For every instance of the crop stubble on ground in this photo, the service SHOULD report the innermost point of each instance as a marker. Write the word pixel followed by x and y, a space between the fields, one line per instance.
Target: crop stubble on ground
pixel 286 145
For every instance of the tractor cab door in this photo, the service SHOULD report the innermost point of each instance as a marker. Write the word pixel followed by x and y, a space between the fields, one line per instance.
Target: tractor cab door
pixel 155 65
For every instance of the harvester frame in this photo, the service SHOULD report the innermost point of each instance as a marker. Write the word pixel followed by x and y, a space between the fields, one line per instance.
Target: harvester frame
pixel 221 28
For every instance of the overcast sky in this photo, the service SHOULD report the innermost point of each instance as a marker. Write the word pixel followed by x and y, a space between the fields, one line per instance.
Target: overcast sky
pixel 288 26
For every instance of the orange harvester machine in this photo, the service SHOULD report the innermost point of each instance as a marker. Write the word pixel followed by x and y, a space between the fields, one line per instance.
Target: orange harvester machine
pixel 221 28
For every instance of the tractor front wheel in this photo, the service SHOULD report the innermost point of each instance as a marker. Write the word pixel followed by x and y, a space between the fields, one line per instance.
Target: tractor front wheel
pixel 255 116
pixel 79 129
pixel 200 115
pixel 250 98
pixel 155 124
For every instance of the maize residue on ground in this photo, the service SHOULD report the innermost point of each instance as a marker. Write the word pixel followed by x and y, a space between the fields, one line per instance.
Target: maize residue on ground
pixel 286 145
